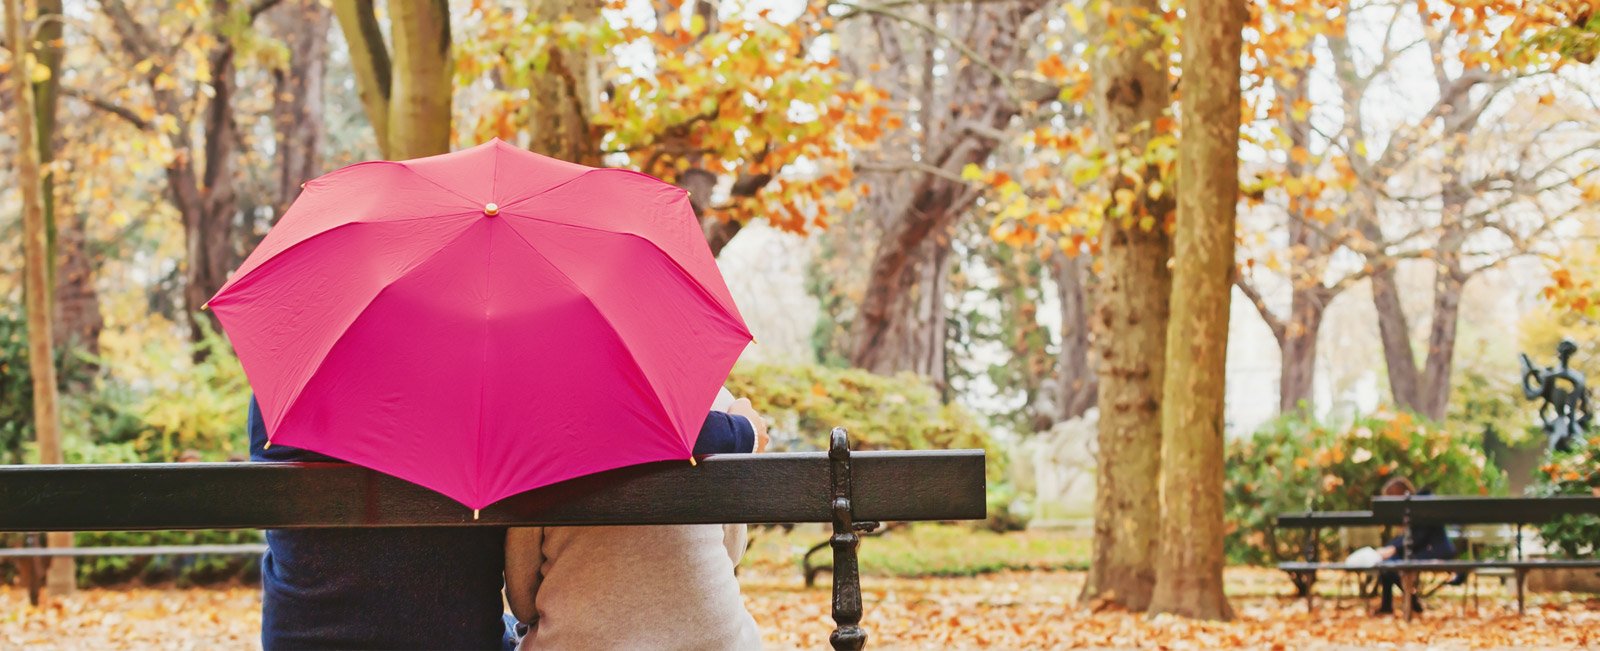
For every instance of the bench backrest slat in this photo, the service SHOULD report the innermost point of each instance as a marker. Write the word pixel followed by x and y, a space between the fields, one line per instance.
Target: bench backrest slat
pixel 1320 519
pixel 733 488
pixel 1432 509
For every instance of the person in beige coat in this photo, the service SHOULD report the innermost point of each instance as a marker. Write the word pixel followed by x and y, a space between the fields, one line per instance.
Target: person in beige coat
pixel 632 588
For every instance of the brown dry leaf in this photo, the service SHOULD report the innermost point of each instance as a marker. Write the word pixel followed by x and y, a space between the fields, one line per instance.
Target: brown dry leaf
pixel 1009 610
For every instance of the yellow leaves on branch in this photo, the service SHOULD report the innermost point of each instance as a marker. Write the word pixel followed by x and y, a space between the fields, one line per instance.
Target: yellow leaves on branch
pixel 747 97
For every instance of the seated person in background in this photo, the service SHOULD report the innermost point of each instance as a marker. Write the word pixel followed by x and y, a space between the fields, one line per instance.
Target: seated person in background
pixel 638 587
pixel 1428 542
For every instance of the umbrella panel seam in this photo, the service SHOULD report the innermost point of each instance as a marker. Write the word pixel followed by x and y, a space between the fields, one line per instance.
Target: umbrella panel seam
pixel 659 402
pixel 295 399
pixel 735 319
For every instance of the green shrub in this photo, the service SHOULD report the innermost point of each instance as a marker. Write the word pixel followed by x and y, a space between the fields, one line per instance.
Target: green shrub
pixel 1571 473
pixel 1293 464
pixel 901 412
pixel 185 570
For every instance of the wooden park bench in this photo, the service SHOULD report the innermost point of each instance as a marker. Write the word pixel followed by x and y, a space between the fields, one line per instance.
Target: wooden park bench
pixel 853 490
pixel 1444 510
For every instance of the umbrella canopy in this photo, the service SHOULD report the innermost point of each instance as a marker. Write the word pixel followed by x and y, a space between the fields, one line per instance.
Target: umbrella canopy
pixel 484 322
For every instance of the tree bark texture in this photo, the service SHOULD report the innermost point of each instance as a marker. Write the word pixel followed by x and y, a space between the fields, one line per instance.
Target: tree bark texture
pixel 420 98
pixel 36 281
pixel 917 209
pixel 1189 568
pixel 297 105
pixel 562 99
pixel 1130 330
pixel 1077 383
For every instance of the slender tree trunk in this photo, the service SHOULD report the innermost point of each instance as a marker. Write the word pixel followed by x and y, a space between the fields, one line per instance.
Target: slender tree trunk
pixel 297 98
pixel 1078 384
pixel 41 358
pixel 46 97
pixel 1433 396
pixel 420 98
pixel 1395 332
pixel 1189 569
pixel 1299 348
pixel 1130 327
pixel 77 305
pixel 369 60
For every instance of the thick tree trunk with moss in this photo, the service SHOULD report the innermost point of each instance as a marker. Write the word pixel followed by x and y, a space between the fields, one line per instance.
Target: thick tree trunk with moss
pixel 407 93
pixel 1189 567
pixel 1130 328
pixel 36 281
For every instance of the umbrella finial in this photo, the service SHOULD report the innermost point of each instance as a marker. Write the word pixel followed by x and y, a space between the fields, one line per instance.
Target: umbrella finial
pixel 491 209
pixel 692 462
pixel 267 445
pixel 474 514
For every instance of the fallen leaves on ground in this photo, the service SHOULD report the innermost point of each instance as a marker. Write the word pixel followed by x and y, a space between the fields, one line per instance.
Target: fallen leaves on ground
pixel 1008 610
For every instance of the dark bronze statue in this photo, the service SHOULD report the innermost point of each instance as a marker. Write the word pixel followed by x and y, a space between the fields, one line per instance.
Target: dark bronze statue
pixel 1565 392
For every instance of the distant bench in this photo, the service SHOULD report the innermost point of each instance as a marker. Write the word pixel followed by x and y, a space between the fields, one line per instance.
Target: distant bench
pixel 1441 510
pixel 853 490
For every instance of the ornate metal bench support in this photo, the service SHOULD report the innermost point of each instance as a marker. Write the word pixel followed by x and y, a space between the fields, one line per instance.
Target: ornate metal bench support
pixel 847 633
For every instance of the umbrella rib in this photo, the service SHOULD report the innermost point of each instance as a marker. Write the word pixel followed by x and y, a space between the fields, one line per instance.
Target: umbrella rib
pixel 659 403
pixel 735 320
pixel 437 184
pixel 238 278
pixel 294 400
pixel 555 187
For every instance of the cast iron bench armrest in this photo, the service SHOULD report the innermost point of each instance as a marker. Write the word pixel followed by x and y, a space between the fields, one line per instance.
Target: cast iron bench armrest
pixel 837 486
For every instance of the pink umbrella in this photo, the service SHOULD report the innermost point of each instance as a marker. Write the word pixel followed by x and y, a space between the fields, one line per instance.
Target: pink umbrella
pixel 484 322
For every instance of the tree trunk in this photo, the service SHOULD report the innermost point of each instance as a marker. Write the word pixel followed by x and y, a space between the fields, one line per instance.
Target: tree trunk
pixel 914 337
pixel 1433 396
pixel 420 98
pixel 36 291
pixel 1299 348
pixel 562 99
pixel 407 98
pixel 205 195
pixel 1395 332
pixel 46 97
pixel 1078 385
pixel 77 305
pixel 297 98
pixel 369 60
pixel 1130 322
pixel 1189 568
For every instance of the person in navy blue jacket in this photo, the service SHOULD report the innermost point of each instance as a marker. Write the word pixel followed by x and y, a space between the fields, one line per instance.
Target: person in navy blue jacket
pixel 1428 542
pixel 399 588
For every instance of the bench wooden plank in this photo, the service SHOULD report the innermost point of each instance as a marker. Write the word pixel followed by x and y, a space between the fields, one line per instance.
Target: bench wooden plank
pixel 1432 509
pixel 1321 519
pixel 732 488
pixel 134 550
pixel 1444 566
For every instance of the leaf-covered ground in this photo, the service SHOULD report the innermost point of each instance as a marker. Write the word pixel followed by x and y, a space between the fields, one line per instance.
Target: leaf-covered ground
pixel 1007 610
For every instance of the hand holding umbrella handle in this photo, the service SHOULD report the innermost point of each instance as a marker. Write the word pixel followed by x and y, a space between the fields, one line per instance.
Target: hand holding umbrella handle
pixel 742 407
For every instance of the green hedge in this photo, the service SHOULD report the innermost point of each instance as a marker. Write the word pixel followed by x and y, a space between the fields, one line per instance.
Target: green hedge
pixel 1293 464
pixel 900 412
pixel 1571 473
